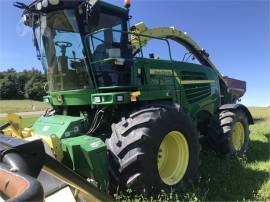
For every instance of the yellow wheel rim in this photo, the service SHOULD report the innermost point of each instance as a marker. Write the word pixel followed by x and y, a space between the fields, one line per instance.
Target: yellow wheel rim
pixel 238 136
pixel 173 158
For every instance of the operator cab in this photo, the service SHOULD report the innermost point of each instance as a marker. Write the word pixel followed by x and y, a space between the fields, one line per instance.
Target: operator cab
pixel 108 43
pixel 81 43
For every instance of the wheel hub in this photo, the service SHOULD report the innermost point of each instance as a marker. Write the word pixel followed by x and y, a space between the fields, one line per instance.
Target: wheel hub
pixel 238 136
pixel 173 157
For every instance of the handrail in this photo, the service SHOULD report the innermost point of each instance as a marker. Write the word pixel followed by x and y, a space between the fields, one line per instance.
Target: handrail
pixel 177 36
pixel 140 35
pixel 134 37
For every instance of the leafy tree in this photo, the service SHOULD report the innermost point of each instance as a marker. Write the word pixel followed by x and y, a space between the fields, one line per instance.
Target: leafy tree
pixel 8 89
pixel 19 85
pixel 36 92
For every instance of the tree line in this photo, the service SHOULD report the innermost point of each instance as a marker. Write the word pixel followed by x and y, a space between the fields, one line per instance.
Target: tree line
pixel 28 84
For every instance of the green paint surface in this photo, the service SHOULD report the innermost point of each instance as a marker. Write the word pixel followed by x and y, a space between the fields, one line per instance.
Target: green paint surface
pixel 59 125
pixel 88 156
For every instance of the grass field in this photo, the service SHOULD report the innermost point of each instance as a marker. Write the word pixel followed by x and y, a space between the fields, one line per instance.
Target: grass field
pixel 22 106
pixel 224 179
pixel 247 178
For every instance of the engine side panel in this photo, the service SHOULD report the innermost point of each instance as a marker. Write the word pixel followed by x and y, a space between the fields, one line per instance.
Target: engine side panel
pixel 194 87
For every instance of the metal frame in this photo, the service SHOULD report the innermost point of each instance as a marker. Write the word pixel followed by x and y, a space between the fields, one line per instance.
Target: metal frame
pixel 23 148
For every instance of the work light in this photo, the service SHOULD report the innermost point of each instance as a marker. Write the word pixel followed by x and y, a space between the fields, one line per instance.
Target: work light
pixel 97 99
pixel 44 3
pixel 54 2
pixel 120 98
pixel 39 6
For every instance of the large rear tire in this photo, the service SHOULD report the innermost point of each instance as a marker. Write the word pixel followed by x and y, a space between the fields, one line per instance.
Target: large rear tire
pixel 154 148
pixel 230 135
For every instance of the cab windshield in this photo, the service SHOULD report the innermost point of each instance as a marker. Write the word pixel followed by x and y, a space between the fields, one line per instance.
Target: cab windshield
pixel 110 50
pixel 61 50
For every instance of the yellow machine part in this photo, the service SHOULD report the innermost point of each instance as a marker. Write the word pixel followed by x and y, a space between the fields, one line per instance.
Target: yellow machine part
pixel 55 144
pixel 238 136
pixel 14 129
pixel 173 158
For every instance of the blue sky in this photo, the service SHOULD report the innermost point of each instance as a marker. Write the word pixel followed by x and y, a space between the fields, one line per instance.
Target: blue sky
pixel 235 33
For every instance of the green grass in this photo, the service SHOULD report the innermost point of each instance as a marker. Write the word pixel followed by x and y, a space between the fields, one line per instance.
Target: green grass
pixel 224 179
pixel 248 178
pixel 22 106
pixel 26 121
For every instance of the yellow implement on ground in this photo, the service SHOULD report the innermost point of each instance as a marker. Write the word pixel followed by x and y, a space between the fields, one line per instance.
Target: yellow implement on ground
pixel 13 127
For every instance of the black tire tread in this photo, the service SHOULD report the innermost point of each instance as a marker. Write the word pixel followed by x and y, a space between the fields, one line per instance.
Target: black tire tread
pixel 219 131
pixel 124 145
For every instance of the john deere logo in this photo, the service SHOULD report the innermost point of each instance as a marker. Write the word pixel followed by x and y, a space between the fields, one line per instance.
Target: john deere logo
pixel 59 99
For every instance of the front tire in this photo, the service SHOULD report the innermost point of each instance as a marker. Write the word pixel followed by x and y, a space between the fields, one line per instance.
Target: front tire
pixel 154 148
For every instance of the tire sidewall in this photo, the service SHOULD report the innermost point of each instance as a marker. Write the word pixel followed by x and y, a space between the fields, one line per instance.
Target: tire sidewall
pixel 171 120
pixel 240 117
